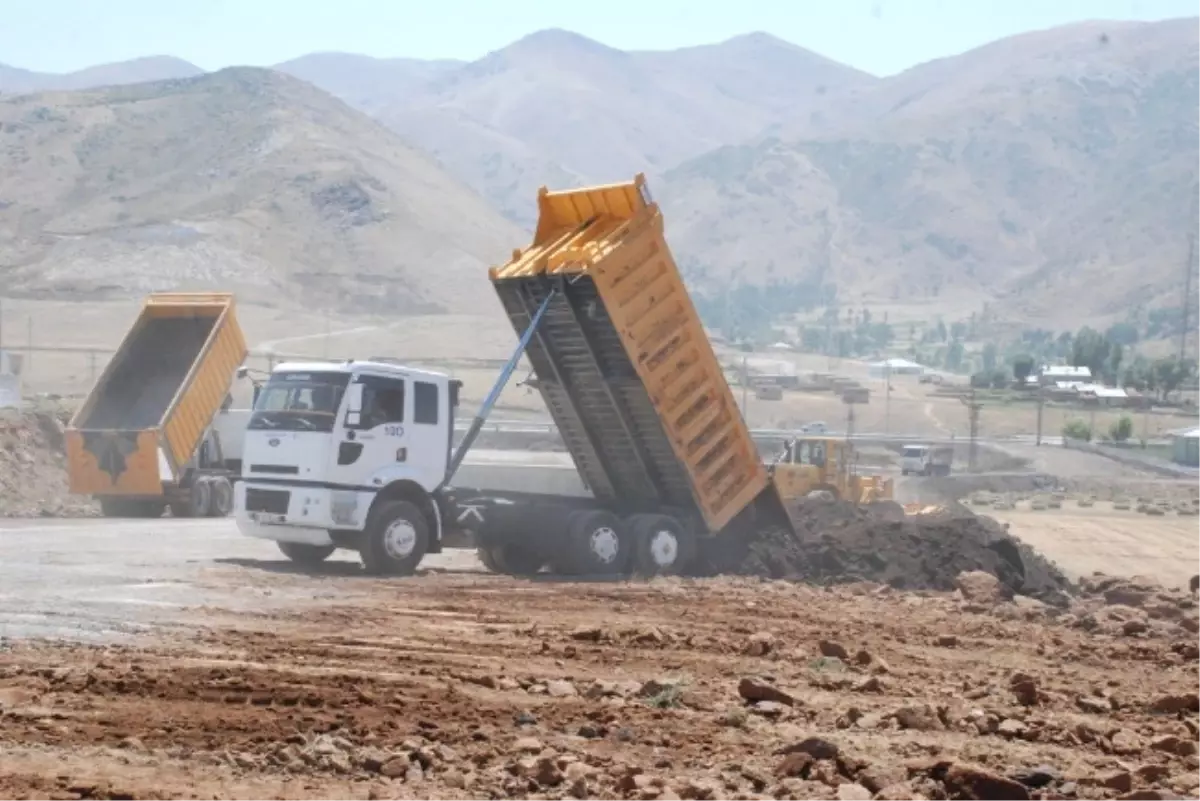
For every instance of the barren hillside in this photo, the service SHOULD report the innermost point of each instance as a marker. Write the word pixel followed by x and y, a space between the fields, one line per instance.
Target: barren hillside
pixel 556 107
pixel 1053 172
pixel 368 84
pixel 245 179
pixel 139 70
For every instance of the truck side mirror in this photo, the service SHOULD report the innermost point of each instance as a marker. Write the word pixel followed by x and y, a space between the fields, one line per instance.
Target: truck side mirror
pixel 354 402
pixel 354 398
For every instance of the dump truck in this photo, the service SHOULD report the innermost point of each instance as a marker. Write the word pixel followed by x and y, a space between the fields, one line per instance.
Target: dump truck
pixel 157 430
pixel 617 351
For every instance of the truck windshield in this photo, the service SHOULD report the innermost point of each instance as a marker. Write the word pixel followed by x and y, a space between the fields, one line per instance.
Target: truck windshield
pixel 299 402
pixel 913 452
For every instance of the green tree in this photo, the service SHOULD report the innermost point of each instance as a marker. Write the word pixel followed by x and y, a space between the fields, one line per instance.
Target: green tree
pixel 989 357
pixel 1171 373
pixel 958 330
pixel 1112 369
pixel 1022 367
pixel 1077 429
pixel 1122 334
pixel 811 339
pixel 941 330
pixel 954 355
pixel 1122 429
pixel 1090 349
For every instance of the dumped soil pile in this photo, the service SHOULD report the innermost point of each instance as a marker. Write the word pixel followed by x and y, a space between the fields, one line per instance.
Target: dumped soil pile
pixel 33 466
pixel 839 542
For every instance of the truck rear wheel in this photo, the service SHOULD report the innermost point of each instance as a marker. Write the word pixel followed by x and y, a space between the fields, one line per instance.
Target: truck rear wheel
pixel 222 496
pixel 511 560
pixel 661 546
pixel 597 543
pixel 200 498
pixel 306 555
pixel 131 507
pixel 397 539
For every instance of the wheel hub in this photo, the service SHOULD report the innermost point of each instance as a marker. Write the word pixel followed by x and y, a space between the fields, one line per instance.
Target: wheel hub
pixel 605 544
pixel 664 548
pixel 400 539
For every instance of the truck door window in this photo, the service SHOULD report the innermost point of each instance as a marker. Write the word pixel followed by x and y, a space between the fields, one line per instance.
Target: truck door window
pixel 425 403
pixel 383 401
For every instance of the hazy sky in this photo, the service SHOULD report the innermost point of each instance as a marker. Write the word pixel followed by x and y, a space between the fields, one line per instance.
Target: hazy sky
pixel 879 36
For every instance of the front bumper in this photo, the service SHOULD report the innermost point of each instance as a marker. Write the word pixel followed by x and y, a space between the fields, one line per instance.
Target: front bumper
pixel 298 513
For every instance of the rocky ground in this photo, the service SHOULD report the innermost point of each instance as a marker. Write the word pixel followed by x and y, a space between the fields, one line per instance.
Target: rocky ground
pixel 33 468
pixel 459 685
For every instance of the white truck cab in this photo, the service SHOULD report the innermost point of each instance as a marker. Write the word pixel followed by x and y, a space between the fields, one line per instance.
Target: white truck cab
pixel 348 455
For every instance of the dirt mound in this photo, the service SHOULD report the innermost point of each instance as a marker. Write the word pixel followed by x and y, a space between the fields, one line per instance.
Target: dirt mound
pixel 838 542
pixel 33 468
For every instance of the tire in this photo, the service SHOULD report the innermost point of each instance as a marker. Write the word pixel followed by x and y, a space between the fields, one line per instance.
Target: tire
pixel 511 560
pixel 397 539
pixel 306 555
pixel 222 497
pixel 486 559
pixel 598 544
pixel 131 507
pixel 200 498
pixel 661 546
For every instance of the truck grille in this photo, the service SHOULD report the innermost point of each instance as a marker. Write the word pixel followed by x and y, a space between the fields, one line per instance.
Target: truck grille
pixel 271 501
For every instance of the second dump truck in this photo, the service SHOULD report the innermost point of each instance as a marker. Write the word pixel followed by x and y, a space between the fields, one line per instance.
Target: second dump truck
pixel 156 431
pixel 360 454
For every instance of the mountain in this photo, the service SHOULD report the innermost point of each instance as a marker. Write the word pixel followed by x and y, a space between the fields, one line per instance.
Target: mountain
pixel 368 84
pixel 244 179
pixel 1052 174
pixel 138 70
pixel 558 108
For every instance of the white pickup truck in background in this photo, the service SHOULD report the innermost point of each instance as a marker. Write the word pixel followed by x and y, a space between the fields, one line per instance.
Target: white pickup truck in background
pixel 926 460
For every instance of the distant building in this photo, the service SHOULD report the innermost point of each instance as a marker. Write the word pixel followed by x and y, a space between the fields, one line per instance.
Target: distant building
pixel 1063 373
pixel 1099 395
pixel 895 367
pixel 1185 447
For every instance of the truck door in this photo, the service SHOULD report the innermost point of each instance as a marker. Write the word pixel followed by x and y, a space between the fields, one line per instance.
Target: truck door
pixel 376 437
pixel 430 431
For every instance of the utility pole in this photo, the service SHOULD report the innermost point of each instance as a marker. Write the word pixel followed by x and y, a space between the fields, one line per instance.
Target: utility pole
pixel 745 386
pixel 973 409
pixel 1041 405
pixel 1185 330
pixel 887 398
pixel 28 345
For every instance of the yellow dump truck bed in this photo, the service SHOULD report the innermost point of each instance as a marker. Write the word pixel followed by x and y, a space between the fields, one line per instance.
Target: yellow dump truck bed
pixel 144 418
pixel 623 361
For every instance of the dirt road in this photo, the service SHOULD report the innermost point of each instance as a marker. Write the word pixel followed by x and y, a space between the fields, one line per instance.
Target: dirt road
pixel 208 668
pixel 1083 541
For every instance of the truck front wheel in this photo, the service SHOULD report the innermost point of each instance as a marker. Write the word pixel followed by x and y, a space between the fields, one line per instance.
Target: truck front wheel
pixel 397 539
pixel 306 555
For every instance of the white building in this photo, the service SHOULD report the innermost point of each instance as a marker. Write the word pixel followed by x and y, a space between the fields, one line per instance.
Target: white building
pixel 895 367
pixel 1054 374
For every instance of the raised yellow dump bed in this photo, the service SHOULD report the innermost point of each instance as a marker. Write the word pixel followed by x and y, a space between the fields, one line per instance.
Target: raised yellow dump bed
pixel 144 418
pixel 623 361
